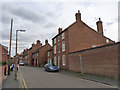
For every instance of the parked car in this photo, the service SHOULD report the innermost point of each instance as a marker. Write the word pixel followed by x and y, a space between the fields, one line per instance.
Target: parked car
pixel 51 67
pixel 21 63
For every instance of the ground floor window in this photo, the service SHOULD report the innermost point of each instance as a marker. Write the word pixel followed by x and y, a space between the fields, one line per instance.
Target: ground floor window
pixel 63 60
pixel 55 60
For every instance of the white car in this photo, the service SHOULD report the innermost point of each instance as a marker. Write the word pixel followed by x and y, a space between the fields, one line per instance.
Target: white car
pixel 21 63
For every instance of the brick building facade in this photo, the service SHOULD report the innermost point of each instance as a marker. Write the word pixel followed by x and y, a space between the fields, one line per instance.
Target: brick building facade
pixel 77 36
pixel 3 58
pixel 37 54
pixel 101 60
pixel 50 56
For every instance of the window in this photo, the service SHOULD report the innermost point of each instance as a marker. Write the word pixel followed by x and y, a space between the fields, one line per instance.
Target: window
pixel 55 60
pixel 48 54
pixel 58 48
pixel 48 60
pixel 54 40
pixel 107 40
pixel 58 38
pixel 3 53
pixel 37 54
pixel 58 61
pixel 63 36
pixel 63 46
pixel 55 49
pixel 63 60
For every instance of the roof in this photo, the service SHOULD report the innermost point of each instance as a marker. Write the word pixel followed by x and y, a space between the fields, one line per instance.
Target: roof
pixel 37 50
pixel 63 30
pixel 85 25
pixel 95 47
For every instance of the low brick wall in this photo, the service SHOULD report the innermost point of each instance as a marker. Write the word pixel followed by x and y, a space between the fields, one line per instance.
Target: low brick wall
pixel 2 70
pixel 98 61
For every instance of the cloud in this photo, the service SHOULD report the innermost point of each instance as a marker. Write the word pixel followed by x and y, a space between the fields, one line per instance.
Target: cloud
pixel 42 19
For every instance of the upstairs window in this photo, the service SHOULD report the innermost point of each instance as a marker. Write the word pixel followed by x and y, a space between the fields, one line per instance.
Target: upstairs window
pixel 107 40
pixel 58 38
pixel 63 46
pixel 55 49
pixel 48 54
pixel 63 36
pixel 54 40
pixel 58 48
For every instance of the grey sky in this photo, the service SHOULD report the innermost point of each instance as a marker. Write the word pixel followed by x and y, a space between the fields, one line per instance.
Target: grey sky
pixel 42 19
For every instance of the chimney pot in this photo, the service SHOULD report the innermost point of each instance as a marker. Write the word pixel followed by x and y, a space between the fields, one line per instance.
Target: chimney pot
pixel 99 26
pixel 59 30
pixel 46 41
pixel 38 41
pixel 78 16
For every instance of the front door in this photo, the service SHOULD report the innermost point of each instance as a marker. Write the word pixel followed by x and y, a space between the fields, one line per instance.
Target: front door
pixel 32 62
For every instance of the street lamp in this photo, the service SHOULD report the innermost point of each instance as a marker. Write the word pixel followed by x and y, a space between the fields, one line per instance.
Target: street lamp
pixel 16 52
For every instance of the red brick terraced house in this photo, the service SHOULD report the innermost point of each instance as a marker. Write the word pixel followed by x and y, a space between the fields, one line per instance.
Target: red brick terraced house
pixel 37 54
pixel 39 57
pixel 3 58
pixel 77 36
pixel 50 56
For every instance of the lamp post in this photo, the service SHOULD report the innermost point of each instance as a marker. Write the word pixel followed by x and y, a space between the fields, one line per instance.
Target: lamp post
pixel 16 53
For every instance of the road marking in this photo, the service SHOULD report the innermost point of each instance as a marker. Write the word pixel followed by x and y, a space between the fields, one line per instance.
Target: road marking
pixel 23 80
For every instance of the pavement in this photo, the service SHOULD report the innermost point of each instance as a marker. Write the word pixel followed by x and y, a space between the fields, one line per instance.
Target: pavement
pixel 36 77
pixel 10 82
pixel 100 79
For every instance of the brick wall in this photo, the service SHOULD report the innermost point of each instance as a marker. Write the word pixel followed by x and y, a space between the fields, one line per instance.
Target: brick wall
pixel 98 61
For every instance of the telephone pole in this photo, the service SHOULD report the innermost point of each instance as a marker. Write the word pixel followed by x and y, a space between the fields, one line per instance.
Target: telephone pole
pixel 10 47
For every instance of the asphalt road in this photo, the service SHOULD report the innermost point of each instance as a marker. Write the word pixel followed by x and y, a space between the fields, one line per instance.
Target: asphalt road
pixel 36 77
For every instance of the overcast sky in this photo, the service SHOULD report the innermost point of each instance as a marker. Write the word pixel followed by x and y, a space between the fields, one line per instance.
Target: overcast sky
pixel 41 19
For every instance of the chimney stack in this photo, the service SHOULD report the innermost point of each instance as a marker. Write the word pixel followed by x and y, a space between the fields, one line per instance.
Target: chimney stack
pixel 46 41
pixel 59 30
pixel 78 16
pixel 38 41
pixel 33 44
pixel 99 26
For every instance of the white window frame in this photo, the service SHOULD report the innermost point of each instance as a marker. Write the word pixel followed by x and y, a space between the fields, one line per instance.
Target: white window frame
pixel 48 60
pixel 63 35
pixel 107 40
pixel 58 38
pixel 63 46
pixel 58 48
pixel 63 60
pixel 54 40
pixel 48 54
pixel 55 49
pixel 55 62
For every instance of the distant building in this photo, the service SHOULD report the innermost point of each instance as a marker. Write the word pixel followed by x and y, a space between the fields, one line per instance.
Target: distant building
pixel 37 54
pixel 3 53
pixel 77 36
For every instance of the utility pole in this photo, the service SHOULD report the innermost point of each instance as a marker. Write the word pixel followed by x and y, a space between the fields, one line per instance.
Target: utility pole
pixel 10 47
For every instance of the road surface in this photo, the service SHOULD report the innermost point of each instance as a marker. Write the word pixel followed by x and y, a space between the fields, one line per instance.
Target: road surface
pixel 36 77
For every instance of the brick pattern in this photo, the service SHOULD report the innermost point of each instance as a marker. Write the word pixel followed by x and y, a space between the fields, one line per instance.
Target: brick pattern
pixel 100 61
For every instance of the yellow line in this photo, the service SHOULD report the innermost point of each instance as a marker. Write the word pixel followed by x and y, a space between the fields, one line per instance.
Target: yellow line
pixel 23 81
